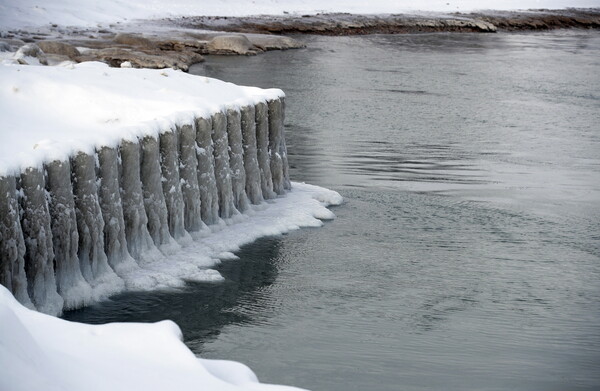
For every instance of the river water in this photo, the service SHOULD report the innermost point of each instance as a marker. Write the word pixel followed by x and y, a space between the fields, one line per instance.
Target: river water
pixel 467 253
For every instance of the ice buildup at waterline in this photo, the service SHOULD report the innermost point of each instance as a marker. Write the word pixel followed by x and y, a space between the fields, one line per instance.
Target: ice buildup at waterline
pixel 40 352
pixel 115 179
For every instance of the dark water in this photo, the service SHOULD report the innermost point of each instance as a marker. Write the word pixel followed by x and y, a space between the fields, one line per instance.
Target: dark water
pixel 467 254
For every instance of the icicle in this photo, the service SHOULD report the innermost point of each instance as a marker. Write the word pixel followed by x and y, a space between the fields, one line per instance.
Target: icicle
pixel 139 241
pixel 236 160
pixel 275 131
pixel 287 184
pixel 253 181
pixel 222 169
pixel 171 184
pixel 90 226
pixel 188 171
pixel 109 195
pixel 12 244
pixel 262 150
pixel 39 255
pixel 89 219
pixel 154 199
pixel 69 281
pixel 207 181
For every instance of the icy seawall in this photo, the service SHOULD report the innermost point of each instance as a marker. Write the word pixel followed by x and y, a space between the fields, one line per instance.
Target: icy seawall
pixel 71 229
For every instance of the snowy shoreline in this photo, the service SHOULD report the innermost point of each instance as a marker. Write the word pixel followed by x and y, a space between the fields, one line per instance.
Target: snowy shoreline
pixel 90 152
pixel 180 37
pixel 152 158
pixel 115 179
pixel 485 21
pixel 41 352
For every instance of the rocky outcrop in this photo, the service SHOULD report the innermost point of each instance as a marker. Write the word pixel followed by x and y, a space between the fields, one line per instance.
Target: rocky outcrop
pixel 134 40
pixel 349 24
pixel 543 19
pixel 340 24
pixel 30 51
pixel 157 59
pixel 231 44
pixel 10 45
pixel 178 49
pixel 140 51
pixel 59 48
pixel 274 42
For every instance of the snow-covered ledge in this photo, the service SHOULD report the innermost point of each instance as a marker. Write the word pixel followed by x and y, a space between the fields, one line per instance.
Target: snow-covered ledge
pixel 114 179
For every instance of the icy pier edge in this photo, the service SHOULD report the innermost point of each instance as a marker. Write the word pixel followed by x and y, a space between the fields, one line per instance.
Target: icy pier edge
pixel 75 229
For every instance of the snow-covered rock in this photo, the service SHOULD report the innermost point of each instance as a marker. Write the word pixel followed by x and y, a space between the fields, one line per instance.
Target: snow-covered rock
pixel 30 54
pixel 60 48
pixel 231 44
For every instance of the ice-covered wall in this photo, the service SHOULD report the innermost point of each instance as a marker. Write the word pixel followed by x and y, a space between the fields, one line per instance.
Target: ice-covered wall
pixel 72 229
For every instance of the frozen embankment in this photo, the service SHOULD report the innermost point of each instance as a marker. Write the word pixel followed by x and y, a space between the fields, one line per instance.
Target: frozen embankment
pixel 115 179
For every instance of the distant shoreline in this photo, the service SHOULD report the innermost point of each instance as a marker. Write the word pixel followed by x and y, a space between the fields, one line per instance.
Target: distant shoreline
pixel 354 24
pixel 181 42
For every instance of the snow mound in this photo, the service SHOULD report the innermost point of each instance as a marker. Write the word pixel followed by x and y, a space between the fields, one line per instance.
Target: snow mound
pixel 40 352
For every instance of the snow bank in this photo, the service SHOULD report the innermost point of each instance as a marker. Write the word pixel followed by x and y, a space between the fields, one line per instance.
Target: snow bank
pixel 48 113
pixel 28 13
pixel 40 352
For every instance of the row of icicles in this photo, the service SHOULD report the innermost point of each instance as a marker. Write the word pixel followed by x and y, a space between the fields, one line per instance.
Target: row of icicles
pixel 70 229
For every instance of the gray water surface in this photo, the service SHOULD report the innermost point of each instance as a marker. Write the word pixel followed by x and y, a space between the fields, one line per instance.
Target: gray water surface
pixel 467 253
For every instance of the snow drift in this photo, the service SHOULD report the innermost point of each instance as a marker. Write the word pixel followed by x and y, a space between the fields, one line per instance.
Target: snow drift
pixel 40 352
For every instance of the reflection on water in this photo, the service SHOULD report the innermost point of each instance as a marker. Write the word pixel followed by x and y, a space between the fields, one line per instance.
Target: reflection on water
pixel 201 309
pixel 467 254
pixel 503 116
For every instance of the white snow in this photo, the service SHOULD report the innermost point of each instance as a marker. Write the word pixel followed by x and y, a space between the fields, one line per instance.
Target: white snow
pixel 40 352
pixel 29 13
pixel 51 112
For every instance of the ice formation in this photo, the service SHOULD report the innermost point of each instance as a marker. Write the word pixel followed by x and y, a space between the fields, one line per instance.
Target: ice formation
pixel 115 179
pixel 207 181
pixel 143 189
